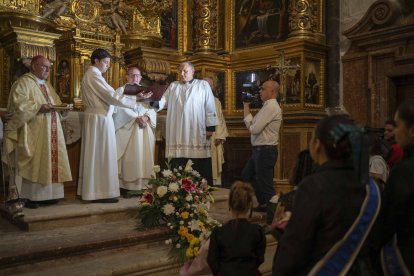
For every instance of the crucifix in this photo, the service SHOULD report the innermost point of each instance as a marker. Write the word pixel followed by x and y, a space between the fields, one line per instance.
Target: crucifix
pixel 282 68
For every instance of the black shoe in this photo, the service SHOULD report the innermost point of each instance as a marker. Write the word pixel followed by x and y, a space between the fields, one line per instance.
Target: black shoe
pixel 49 202
pixel 260 208
pixel 124 193
pixel 31 204
pixel 106 200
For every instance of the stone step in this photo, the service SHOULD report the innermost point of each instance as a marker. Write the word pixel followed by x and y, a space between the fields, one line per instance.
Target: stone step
pixel 149 258
pixel 74 212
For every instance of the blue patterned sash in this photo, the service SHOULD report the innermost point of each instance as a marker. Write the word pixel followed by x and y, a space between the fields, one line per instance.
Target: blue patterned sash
pixel 341 256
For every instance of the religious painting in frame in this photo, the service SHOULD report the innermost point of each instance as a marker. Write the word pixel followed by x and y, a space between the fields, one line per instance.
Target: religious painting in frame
pixel 247 83
pixel 63 78
pixel 219 83
pixel 260 22
pixel 313 89
pixel 169 26
pixel 290 87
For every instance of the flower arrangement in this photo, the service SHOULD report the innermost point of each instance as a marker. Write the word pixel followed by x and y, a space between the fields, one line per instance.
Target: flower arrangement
pixel 180 198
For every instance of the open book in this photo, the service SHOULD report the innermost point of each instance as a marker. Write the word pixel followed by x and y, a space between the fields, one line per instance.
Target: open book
pixel 156 89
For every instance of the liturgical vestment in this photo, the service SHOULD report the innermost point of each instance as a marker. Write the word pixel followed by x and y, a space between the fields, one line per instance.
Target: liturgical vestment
pixel 190 109
pixel 217 153
pixel 135 145
pixel 35 141
pixel 98 171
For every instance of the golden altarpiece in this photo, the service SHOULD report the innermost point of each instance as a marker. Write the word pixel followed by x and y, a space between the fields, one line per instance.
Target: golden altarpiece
pixel 237 43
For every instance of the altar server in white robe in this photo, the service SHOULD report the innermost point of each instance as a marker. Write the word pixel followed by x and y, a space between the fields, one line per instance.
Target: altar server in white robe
pixel 135 137
pixel 98 172
pixel 218 138
pixel 191 121
pixel 34 138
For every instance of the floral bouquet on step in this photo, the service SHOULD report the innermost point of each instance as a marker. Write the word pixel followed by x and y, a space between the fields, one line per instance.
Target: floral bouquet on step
pixel 180 199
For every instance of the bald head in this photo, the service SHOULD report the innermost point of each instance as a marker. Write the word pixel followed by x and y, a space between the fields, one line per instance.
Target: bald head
pixel 270 90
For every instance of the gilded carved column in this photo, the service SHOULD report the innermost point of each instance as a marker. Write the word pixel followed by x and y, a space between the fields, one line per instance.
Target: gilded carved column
pixel 205 22
pixel 306 19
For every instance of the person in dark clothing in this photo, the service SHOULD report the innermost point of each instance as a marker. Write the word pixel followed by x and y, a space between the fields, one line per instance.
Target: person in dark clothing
pixel 397 213
pixel 238 247
pixel 396 154
pixel 327 202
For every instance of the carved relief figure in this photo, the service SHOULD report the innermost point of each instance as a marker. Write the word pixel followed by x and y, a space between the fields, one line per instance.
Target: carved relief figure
pixel 56 7
pixel 117 12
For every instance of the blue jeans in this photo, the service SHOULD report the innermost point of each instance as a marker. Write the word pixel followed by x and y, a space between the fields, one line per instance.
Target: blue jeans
pixel 259 172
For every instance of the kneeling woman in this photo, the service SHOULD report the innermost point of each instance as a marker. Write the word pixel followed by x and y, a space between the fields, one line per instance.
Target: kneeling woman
pixel 329 205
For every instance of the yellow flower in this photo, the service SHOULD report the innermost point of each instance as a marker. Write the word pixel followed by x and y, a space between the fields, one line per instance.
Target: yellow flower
pixel 196 252
pixel 190 237
pixel 189 252
pixel 194 241
pixel 185 215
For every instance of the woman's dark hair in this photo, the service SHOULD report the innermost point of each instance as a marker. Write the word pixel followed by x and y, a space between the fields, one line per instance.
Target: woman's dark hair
pixel 405 112
pixel 335 150
pixel 241 197
pixel 303 167
pixel 99 54
pixel 390 122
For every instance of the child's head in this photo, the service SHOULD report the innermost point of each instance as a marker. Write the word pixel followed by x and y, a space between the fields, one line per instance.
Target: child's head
pixel 241 197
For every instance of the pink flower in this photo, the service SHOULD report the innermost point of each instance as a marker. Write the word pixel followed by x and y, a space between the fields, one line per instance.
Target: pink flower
pixel 149 198
pixel 188 185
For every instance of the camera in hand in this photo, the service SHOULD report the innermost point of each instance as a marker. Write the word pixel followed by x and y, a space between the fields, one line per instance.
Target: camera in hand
pixel 251 93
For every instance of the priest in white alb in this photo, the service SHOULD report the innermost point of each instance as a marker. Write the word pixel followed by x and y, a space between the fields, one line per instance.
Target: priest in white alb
pixel 34 138
pixel 135 137
pixel 218 138
pixel 191 121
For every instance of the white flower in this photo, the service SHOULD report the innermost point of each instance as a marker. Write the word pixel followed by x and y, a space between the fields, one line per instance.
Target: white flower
pixel 178 245
pixel 173 187
pixel 168 224
pixel 274 199
pixel 180 168
pixel 178 174
pixel 161 191
pixel 189 197
pixel 188 166
pixel 175 198
pixel 194 225
pixel 156 169
pixel 167 173
pixel 168 209
pixel 181 222
pixel 167 241
pixel 195 173
pixel 177 214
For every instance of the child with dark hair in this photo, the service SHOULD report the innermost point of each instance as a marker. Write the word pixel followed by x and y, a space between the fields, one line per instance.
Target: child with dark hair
pixel 238 247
